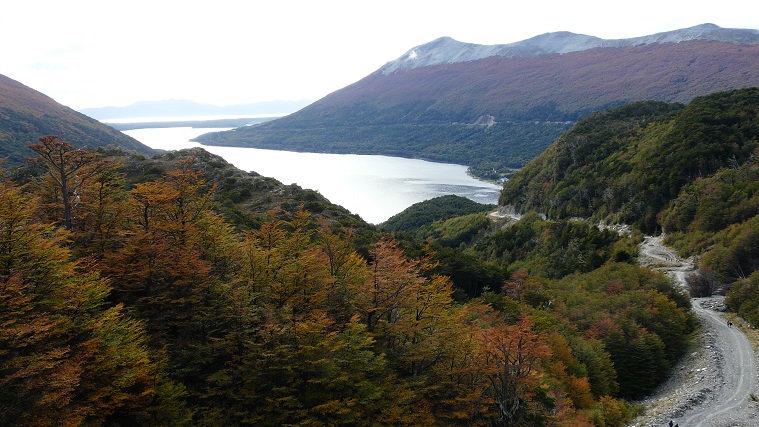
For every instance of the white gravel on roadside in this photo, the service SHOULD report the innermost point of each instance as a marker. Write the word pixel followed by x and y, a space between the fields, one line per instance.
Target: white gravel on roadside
pixel 705 388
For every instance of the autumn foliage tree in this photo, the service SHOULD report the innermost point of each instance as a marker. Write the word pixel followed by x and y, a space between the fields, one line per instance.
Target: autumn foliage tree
pixel 514 356
pixel 66 357
pixel 101 212
pixel 70 169
pixel 291 362
pixel 160 268
pixel 150 308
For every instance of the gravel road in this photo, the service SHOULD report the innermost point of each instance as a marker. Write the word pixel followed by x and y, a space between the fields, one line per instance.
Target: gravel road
pixel 716 384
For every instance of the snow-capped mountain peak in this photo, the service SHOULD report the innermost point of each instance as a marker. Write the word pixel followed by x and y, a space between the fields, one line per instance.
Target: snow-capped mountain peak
pixel 446 50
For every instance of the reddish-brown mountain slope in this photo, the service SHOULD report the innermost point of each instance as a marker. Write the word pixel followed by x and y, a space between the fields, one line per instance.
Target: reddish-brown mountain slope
pixel 26 115
pixel 569 85
pixel 501 110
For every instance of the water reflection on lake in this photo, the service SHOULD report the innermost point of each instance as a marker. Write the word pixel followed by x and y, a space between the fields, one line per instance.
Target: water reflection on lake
pixel 374 187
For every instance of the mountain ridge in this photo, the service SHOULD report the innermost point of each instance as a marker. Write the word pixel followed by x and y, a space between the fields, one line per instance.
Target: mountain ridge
pixel 446 50
pixel 528 101
pixel 26 115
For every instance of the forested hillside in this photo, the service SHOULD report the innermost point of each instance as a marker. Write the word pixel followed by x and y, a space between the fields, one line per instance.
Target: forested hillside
pixel 626 164
pixel 26 114
pixel 690 171
pixel 162 294
pixel 429 211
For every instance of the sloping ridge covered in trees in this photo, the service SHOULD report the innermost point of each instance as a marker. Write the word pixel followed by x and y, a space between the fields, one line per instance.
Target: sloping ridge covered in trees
pixel 626 164
pixel 690 171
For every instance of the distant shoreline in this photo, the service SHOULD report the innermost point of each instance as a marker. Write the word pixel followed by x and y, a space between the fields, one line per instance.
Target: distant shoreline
pixel 198 123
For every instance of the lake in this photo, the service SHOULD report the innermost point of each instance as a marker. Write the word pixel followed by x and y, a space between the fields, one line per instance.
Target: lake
pixel 374 187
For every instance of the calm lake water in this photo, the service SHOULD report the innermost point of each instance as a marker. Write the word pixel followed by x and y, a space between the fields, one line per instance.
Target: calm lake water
pixel 374 187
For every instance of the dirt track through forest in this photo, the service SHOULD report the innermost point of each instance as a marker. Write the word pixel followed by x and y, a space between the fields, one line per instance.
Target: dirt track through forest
pixel 716 384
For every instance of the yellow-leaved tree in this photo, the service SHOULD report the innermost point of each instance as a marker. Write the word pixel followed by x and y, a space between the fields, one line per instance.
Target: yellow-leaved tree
pixel 67 357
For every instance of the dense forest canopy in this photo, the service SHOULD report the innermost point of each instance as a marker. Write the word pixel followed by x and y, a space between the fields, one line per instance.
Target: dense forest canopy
pixel 626 164
pixel 152 299
pixel 690 171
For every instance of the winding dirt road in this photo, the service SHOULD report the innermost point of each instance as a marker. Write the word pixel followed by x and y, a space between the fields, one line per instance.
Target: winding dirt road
pixel 738 373
pixel 716 385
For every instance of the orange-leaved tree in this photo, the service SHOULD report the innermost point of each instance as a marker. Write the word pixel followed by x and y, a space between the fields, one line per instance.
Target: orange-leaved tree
pixel 433 344
pixel 165 272
pixel 66 356
pixel 514 356
pixel 290 363
pixel 69 169
pixel 160 269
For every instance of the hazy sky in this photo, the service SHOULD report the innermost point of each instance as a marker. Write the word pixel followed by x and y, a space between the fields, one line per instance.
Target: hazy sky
pixel 116 52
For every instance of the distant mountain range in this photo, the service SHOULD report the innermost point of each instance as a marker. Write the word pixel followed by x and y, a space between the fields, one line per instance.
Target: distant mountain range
pixel 494 107
pixel 185 108
pixel 26 115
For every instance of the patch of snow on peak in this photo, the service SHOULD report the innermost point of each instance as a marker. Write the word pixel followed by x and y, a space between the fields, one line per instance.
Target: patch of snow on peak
pixel 561 42
pixel 444 50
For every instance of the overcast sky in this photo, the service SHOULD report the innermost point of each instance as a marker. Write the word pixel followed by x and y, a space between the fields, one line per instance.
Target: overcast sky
pixel 97 53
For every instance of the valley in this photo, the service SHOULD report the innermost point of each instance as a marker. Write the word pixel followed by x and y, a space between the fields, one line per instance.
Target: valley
pixel 150 280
